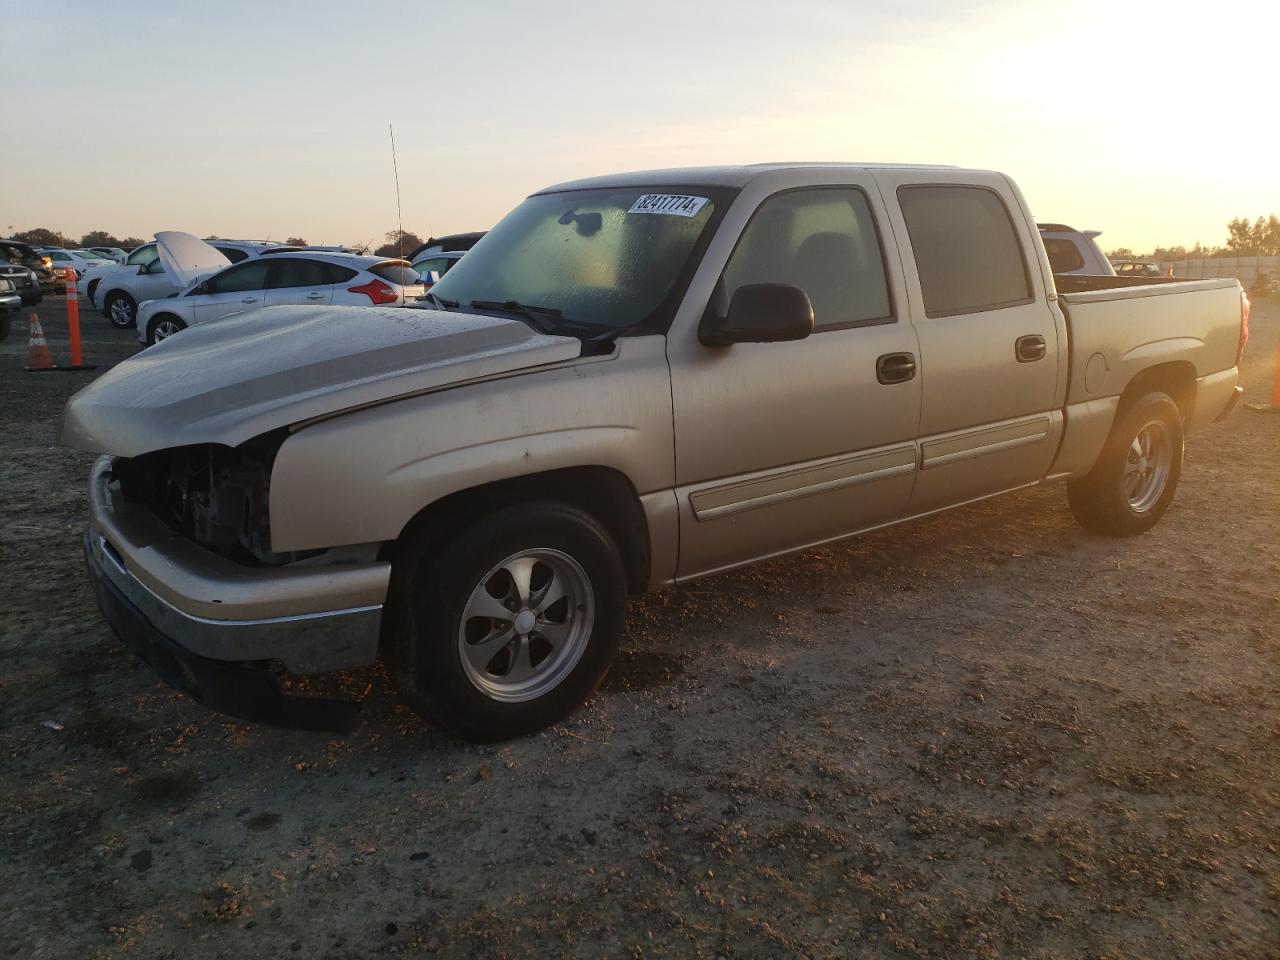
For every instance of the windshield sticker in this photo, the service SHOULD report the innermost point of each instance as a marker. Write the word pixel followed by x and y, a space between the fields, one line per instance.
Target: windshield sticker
pixel 674 204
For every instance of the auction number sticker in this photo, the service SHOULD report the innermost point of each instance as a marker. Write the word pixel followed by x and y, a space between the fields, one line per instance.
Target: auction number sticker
pixel 672 204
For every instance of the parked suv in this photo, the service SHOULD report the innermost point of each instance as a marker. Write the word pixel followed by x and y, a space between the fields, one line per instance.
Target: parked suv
pixel 1074 251
pixel 17 253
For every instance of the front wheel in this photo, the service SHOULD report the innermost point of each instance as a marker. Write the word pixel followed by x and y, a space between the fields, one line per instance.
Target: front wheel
pixel 162 326
pixel 511 625
pixel 1132 484
pixel 121 309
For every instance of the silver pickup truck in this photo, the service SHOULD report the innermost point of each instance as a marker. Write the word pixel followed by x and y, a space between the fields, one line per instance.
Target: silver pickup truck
pixel 630 382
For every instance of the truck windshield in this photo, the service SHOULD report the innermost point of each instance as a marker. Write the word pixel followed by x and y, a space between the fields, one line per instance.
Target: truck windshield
pixel 608 257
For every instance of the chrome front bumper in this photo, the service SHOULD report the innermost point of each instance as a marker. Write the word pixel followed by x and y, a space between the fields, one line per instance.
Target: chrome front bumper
pixel 311 619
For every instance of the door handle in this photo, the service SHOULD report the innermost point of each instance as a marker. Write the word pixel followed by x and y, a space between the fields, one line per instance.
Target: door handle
pixel 896 368
pixel 315 296
pixel 249 300
pixel 1030 348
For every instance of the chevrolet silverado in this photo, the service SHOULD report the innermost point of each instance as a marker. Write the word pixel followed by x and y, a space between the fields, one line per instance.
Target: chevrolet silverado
pixel 630 382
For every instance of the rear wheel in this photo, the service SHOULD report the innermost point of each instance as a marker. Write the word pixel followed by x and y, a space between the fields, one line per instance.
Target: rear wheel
pixel 511 625
pixel 1133 482
pixel 162 326
pixel 121 309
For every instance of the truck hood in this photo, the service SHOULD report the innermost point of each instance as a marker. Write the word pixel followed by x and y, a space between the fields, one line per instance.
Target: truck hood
pixel 233 379
pixel 187 258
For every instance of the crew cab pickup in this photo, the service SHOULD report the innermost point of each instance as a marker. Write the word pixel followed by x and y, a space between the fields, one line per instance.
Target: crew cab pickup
pixel 630 382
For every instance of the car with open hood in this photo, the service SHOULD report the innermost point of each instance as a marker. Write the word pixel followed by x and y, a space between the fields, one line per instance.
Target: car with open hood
pixel 147 274
pixel 633 381
pixel 295 277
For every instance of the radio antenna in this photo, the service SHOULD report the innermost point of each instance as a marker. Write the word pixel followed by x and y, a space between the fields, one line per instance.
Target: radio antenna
pixel 396 169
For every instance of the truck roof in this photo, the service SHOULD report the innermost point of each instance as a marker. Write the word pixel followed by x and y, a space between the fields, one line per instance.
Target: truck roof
pixel 727 176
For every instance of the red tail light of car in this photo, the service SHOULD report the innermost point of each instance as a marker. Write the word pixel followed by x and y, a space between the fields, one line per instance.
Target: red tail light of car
pixel 377 292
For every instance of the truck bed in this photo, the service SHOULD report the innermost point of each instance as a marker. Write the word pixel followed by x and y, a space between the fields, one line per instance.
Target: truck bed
pixel 1119 326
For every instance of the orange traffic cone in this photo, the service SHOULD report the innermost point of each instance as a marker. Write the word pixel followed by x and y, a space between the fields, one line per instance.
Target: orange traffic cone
pixel 38 355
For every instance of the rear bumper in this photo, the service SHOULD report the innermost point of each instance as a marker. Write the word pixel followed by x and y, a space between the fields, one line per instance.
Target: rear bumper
pixel 1216 396
pixel 248 691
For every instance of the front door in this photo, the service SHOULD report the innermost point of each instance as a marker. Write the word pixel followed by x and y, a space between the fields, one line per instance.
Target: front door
pixel 234 290
pixel 782 445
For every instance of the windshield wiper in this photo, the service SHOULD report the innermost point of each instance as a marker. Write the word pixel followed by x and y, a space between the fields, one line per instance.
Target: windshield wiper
pixel 552 321
pixel 444 302
pixel 540 317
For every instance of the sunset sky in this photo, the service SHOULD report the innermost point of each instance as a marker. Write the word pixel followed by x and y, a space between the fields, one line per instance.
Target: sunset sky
pixel 1153 122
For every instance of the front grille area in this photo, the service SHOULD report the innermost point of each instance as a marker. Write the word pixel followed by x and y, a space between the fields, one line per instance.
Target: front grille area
pixel 214 495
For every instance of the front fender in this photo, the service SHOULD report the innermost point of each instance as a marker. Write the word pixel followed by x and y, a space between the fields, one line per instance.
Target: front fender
pixel 360 477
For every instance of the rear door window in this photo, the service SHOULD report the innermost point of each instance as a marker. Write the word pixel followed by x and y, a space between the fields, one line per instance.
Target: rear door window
pixel 298 272
pixel 966 249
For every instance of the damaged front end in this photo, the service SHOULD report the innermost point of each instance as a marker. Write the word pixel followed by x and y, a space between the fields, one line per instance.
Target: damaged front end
pixel 213 495
pixel 179 552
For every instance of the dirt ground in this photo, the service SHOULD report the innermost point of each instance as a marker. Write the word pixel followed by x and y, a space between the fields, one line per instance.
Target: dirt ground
pixel 986 734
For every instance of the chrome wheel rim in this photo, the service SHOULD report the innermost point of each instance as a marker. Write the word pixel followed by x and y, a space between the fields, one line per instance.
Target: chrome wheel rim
pixel 526 625
pixel 121 312
pixel 1147 466
pixel 165 328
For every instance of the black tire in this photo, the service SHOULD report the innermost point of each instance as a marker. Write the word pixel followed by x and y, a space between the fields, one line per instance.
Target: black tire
pixel 432 585
pixel 1101 501
pixel 127 307
pixel 160 318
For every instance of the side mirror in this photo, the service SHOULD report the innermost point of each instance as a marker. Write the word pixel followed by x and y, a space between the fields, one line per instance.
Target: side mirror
pixel 760 313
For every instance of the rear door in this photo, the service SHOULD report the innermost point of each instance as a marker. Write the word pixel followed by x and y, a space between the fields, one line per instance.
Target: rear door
pixel 298 280
pixel 234 290
pixel 992 349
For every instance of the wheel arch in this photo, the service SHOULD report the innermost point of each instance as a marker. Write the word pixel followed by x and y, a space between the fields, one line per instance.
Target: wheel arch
pixel 605 493
pixel 1177 378
pixel 155 319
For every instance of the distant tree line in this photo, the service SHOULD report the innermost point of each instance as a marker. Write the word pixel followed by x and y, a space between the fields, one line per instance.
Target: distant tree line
pixel 1259 238
pixel 44 237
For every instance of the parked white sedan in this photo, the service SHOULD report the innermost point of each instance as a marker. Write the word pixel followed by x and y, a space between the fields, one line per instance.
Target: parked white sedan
pixel 77 260
pixel 283 278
